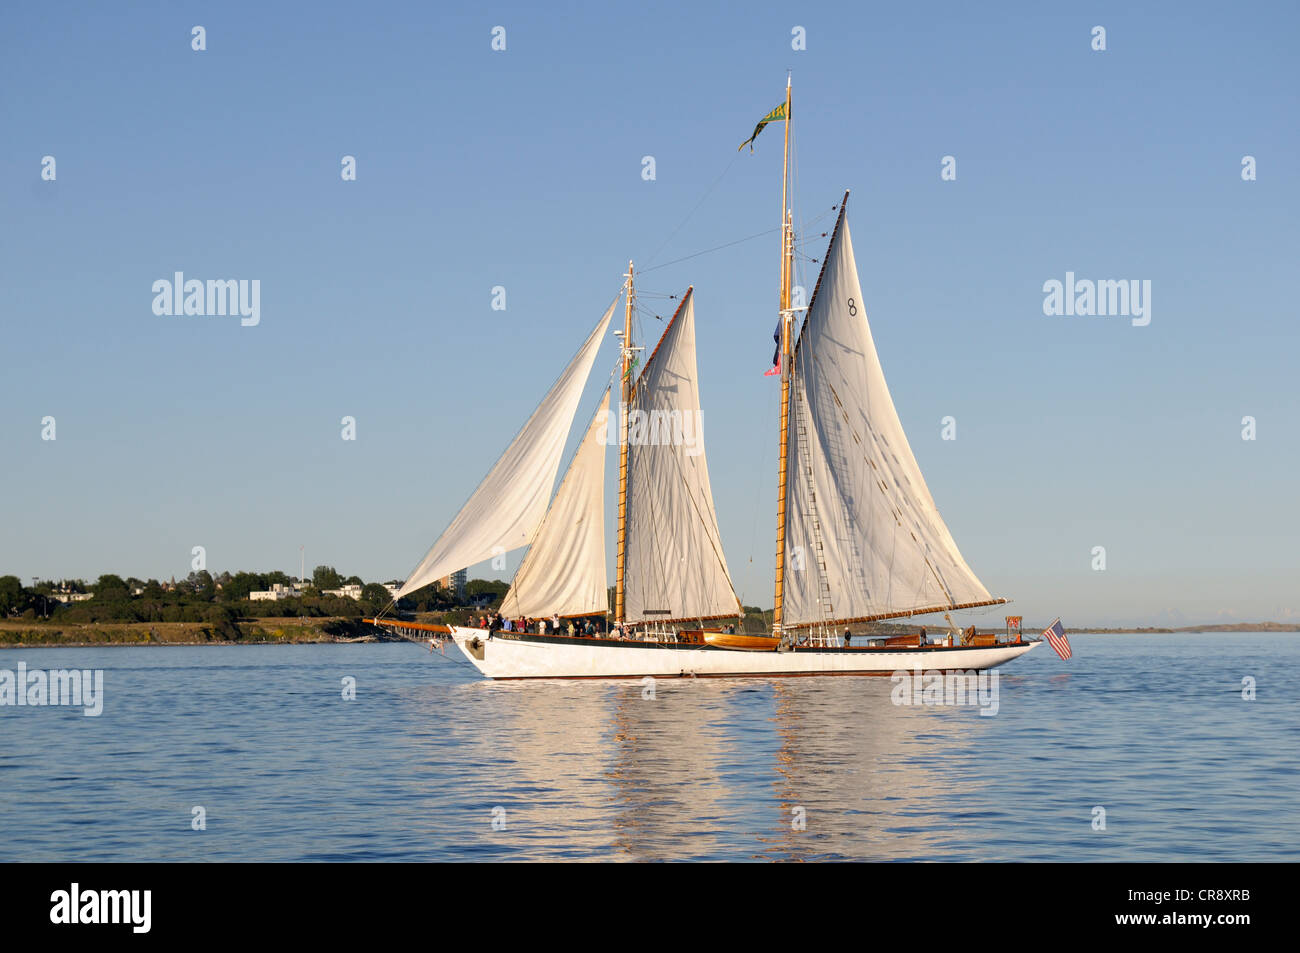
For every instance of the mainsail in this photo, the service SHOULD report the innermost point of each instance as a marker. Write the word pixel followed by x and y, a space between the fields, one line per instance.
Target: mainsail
pixel 564 571
pixel 508 506
pixel 675 566
pixel 863 536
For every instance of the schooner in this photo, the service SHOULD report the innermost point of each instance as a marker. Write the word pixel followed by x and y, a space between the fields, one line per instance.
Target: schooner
pixel 858 536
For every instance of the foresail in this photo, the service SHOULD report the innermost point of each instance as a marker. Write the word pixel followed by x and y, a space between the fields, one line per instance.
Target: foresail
pixel 564 571
pixel 507 508
pixel 863 535
pixel 675 566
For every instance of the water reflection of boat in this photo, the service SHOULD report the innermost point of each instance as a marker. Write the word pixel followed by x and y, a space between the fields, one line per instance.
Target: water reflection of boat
pixel 671 761
pixel 858 780
pixel 610 771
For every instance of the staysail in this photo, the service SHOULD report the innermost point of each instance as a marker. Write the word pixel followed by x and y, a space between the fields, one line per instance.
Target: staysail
pixel 675 566
pixel 507 508
pixel 564 570
pixel 864 538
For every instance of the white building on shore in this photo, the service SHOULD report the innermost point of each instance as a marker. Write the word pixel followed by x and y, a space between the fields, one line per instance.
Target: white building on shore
pixel 352 591
pixel 67 596
pixel 277 592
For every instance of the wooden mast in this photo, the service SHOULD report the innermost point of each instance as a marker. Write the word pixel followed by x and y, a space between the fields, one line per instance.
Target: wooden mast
pixel 787 250
pixel 624 414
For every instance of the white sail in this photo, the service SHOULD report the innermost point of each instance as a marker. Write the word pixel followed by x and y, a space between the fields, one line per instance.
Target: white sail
pixel 675 567
pixel 507 508
pixel 863 535
pixel 564 571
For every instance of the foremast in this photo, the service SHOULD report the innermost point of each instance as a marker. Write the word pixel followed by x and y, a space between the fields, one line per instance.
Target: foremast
pixel 623 413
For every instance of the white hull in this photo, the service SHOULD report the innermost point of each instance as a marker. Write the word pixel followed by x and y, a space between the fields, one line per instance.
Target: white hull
pixel 515 655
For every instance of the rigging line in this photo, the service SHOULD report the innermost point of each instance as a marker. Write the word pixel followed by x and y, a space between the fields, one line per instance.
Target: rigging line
pixel 647 312
pixel 452 658
pixel 707 251
pixel 794 192
pixel 817 218
pixel 696 208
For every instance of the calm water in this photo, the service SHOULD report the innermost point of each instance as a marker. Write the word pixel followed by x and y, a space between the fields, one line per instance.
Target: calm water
pixel 1152 728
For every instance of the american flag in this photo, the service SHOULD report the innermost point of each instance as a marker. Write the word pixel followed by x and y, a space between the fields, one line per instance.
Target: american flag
pixel 1055 635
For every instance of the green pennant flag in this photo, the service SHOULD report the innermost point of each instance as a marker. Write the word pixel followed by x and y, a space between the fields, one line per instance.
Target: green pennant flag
pixel 631 366
pixel 776 115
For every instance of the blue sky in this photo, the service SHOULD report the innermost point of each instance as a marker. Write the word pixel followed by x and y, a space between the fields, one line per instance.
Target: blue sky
pixel 523 168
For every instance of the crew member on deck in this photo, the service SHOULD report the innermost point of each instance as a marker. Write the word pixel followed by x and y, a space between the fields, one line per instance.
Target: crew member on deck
pixel 848 637
pixel 924 641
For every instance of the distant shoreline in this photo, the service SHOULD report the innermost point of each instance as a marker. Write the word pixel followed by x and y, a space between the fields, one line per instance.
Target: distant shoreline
pixel 17 634
pixel 170 645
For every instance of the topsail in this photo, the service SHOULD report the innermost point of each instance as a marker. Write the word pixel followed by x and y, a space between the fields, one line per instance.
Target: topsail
pixel 508 506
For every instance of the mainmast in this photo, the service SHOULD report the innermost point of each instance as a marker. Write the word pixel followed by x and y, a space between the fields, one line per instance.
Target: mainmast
pixel 623 411
pixel 787 257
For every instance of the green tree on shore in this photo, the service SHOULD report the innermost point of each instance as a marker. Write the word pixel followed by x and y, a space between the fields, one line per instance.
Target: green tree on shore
pixel 14 599
pixel 374 598
pixel 325 577
pixel 111 588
